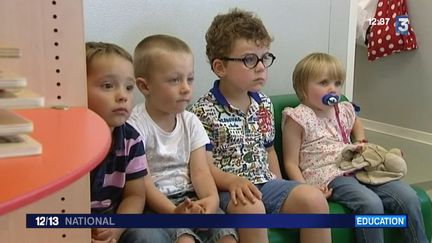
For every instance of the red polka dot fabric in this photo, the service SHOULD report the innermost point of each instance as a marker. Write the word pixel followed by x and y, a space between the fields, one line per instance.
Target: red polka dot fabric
pixel 384 37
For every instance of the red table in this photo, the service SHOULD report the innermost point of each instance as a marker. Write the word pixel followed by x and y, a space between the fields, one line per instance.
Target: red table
pixel 73 142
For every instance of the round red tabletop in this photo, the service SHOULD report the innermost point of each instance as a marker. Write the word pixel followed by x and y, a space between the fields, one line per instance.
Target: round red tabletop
pixel 73 142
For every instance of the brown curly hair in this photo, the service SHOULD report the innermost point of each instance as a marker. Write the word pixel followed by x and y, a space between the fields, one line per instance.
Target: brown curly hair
pixel 227 28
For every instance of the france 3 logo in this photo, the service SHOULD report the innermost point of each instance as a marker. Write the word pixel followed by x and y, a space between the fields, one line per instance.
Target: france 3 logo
pixel 402 24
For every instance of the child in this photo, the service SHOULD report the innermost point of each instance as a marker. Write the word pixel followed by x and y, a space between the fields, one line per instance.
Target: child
pixel 117 182
pixel 313 136
pixel 174 138
pixel 239 121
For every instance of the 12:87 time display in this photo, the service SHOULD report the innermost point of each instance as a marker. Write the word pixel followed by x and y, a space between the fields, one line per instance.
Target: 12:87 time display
pixel 47 221
pixel 379 21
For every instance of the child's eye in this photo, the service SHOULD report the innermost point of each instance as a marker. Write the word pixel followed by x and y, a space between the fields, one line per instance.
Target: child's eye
pixel 250 59
pixel 130 87
pixel 175 80
pixel 107 85
pixel 338 83
pixel 190 80
pixel 323 82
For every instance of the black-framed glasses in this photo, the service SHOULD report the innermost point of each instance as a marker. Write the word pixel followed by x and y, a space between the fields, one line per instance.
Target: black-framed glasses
pixel 252 60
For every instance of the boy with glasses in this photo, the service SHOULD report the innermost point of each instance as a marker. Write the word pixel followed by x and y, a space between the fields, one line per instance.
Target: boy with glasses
pixel 239 121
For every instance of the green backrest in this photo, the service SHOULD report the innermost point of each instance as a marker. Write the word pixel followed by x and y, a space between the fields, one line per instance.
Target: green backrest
pixel 279 103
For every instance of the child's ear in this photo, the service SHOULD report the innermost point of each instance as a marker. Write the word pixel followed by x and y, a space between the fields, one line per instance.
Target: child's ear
pixel 142 85
pixel 218 67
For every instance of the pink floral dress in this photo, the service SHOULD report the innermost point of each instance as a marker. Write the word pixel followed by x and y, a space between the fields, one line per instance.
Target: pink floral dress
pixel 322 141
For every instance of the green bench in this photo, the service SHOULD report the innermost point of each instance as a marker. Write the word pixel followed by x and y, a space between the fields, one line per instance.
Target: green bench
pixel 339 235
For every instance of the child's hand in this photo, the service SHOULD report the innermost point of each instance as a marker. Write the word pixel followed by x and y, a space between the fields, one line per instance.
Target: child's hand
pixel 361 144
pixel 103 235
pixel 242 190
pixel 360 147
pixel 104 241
pixel 208 205
pixel 326 191
pixel 188 206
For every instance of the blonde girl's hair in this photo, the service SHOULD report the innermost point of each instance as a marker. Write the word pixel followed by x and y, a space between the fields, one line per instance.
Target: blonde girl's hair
pixel 312 66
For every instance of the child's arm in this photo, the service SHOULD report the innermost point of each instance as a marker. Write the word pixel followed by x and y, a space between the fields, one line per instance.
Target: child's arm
pixel 241 189
pixel 358 131
pixel 291 140
pixel 155 199
pixel 273 162
pixel 133 201
pixel 102 235
pixel 292 134
pixel 203 182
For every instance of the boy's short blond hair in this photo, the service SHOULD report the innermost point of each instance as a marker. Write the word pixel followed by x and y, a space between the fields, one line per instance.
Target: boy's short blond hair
pixel 98 49
pixel 152 46
pixel 227 28
pixel 311 67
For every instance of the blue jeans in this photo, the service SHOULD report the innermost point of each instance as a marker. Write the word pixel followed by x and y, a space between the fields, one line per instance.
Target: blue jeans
pixel 395 197
pixel 145 236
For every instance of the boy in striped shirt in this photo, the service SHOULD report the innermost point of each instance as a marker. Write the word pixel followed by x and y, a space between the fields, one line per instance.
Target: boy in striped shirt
pixel 117 183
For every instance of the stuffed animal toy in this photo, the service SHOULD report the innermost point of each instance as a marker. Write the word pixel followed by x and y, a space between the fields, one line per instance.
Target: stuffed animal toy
pixel 372 164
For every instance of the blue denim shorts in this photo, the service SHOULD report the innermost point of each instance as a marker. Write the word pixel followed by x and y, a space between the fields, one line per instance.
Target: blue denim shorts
pixel 169 235
pixel 274 193
pixel 202 236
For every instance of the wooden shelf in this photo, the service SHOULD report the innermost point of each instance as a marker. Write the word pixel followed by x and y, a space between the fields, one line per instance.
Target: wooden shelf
pixel 21 98
pixel 74 141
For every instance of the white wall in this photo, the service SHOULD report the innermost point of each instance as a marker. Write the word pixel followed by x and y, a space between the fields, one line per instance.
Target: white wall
pixel 298 27
pixel 395 94
pixel 397 89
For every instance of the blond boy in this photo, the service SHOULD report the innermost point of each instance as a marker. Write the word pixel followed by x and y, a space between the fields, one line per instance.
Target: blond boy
pixel 174 138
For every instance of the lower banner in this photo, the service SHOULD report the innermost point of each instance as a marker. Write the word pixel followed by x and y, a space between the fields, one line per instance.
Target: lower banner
pixel 212 221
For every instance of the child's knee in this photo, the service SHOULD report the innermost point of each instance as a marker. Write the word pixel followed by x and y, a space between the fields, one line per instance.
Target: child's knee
pixel 257 207
pixel 227 239
pixel 371 204
pixel 307 199
pixel 185 238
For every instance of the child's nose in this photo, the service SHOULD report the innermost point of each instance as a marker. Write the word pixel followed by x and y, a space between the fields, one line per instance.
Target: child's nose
pixel 185 87
pixel 332 88
pixel 260 66
pixel 122 95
